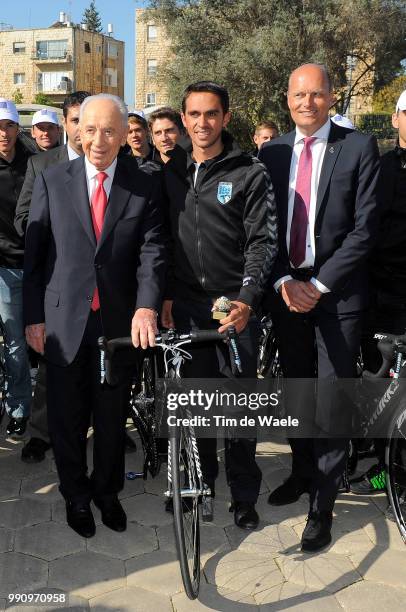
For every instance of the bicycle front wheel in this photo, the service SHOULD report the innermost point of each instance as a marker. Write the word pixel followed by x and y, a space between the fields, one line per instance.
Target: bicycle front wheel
pixel 396 468
pixel 187 483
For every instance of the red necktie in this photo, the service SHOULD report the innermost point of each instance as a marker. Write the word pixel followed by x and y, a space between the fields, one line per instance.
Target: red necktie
pixel 300 217
pixel 98 208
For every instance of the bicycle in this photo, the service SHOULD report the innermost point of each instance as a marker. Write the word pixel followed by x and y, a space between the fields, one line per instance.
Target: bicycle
pixel 185 479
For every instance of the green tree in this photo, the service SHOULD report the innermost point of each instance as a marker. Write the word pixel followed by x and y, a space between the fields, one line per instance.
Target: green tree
pixel 251 46
pixel 385 99
pixel 18 96
pixel 42 99
pixel 92 19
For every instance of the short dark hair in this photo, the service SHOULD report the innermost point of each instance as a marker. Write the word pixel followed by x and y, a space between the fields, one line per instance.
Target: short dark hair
pixel 209 87
pixel 166 112
pixel 74 99
pixel 267 124
pixel 138 119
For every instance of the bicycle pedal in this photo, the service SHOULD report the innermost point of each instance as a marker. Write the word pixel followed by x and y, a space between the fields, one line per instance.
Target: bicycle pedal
pixel 207 509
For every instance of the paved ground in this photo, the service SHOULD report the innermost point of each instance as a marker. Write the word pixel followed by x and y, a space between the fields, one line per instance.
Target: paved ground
pixel 363 570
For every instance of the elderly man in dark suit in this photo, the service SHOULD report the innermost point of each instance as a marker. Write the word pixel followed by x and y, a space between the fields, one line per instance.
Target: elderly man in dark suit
pixel 35 449
pixel 94 264
pixel 324 178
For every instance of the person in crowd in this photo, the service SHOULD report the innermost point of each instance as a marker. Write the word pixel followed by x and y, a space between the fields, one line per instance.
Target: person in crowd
pixel 223 228
pixel 45 129
pixel 166 129
pixel 35 449
pixel 14 156
pixel 94 266
pixel 325 179
pixel 387 268
pixel 343 121
pixel 264 132
pixel 137 139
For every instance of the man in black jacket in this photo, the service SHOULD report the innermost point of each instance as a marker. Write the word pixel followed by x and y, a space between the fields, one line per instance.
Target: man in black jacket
pixel 39 443
pixel 223 226
pixel 13 164
pixel 387 269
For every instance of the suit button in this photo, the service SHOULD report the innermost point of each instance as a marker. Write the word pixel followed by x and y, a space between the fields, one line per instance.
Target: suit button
pixel 89 298
pixel 98 266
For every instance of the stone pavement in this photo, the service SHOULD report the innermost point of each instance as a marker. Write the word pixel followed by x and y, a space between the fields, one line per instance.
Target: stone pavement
pixel 364 569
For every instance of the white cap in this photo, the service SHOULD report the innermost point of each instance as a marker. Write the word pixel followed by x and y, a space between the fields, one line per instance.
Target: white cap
pixel 343 121
pixel 45 116
pixel 401 103
pixel 8 111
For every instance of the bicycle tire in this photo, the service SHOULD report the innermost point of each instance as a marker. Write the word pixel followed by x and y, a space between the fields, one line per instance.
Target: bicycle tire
pixel 395 460
pixel 186 509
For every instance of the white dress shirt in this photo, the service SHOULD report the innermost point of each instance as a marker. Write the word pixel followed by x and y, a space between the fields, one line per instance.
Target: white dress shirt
pixel 71 153
pixel 91 173
pixel 318 149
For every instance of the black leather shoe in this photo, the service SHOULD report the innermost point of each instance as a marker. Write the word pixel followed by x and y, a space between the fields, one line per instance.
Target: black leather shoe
pixel 16 427
pixel 34 451
pixel 80 518
pixel 245 515
pixel 317 533
pixel 112 513
pixel 288 492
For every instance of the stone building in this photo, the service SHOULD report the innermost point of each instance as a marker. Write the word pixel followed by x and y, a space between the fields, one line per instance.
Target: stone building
pixel 151 50
pixel 58 60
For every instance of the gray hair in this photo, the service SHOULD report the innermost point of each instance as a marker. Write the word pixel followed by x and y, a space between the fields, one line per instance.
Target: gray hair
pixel 119 103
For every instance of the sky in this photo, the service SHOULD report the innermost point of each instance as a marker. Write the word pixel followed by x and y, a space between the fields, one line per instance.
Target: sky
pixel 43 13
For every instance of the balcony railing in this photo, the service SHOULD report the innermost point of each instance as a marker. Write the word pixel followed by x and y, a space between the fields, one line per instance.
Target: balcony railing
pixel 63 87
pixel 52 56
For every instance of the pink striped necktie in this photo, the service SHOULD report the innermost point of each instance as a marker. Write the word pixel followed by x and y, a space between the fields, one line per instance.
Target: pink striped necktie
pixel 98 208
pixel 300 217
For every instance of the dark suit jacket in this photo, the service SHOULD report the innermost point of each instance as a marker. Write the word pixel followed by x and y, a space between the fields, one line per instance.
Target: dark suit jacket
pixel 63 262
pixel 346 214
pixel 36 164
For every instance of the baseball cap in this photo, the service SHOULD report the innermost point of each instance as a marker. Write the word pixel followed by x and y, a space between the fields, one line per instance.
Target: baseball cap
pixel 45 116
pixel 8 111
pixel 401 103
pixel 343 121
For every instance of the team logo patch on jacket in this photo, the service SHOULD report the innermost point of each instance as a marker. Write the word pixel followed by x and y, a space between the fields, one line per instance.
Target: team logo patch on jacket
pixel 224 192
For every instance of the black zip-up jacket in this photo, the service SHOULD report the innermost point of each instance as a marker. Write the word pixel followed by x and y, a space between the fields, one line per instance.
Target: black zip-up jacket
pixel 11 181
pixel 223 226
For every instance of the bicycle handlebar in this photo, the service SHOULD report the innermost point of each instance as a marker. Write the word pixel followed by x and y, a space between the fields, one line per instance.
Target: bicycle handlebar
pixel 171 337
pixel 389 345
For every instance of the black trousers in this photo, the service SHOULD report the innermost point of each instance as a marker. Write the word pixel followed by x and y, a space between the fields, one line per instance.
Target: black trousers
pixel 212 361
pixel 325 345
pixel 74 393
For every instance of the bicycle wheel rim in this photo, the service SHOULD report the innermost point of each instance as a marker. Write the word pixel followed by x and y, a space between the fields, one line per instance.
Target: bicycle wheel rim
pixel 186 511
pixel 396 469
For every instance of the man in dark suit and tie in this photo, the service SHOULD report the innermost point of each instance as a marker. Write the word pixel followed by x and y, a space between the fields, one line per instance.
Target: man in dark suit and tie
pixel 94 265
pixel 35 449
pixel 324 178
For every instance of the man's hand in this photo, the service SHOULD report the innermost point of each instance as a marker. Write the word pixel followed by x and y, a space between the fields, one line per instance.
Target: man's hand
pixel 35 336
pixel 239 315
pixel 144 328
pixel 299 296
pixel 166 315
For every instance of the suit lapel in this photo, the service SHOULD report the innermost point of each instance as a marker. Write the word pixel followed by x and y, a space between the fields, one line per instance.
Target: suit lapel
pixel 330 157
pixel 77 187
pixel 118 199
pixel 285 151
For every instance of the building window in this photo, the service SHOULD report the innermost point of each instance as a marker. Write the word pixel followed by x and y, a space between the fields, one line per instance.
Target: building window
pixel 58 82
pixel 152 67
pixel 87 47
pixel 52 49
pixel 152 33
pixel 111 77
pixel 19 78
pixel 150 99
pixel 112 50
pixel 19 47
